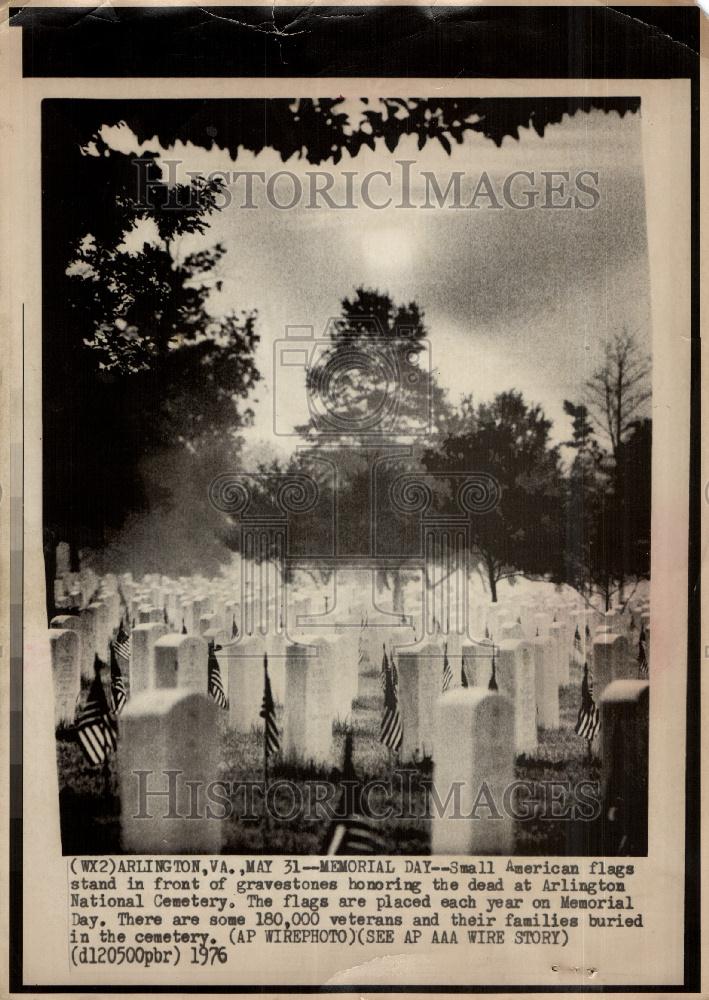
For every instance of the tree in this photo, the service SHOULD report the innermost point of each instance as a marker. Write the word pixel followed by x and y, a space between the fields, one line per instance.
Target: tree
pixel 509 440
pixel 135 362
pixel 372 385
pixel 618 388
pixel 609 480
pixel 375 399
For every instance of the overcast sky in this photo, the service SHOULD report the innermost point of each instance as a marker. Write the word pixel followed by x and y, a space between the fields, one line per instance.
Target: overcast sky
pixel 513 299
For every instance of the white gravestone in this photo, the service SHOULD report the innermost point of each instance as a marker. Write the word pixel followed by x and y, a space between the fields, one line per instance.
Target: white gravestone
pixel 142 660
pixel 181 661
pixel 511 630
pixel 245 682
pixel 307 730
pixel 420 684
pixel 65 649
pixel 83 627
pixel 541 622
pixel 516 679
pixel 87 630
pixel 562 653
pixel 477 663
pixel 473 770
pixel 546 686
pixel 173 731
pixel 98 611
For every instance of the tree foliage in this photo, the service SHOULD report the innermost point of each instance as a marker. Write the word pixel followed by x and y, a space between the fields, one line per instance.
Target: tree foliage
pixel 609 482
pixel 509 440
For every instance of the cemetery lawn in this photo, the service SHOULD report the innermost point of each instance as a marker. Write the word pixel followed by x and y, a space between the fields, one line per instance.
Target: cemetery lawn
pixel 90 807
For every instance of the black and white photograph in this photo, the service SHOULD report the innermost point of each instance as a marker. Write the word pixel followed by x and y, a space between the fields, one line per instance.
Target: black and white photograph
pixel 351 499
pixel 347 512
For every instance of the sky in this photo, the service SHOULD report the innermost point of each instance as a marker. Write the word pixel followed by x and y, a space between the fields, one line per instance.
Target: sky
pixel 512 299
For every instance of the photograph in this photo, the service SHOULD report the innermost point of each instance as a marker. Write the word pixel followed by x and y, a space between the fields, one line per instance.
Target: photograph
pixel 347 420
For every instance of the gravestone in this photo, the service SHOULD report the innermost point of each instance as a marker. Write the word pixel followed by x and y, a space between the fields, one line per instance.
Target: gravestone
pixel 473 754
pixel 185 615
pixel 516 679
pixel 276 646
pixel 369 669
pixel 307 730
pixel 98 611
pixel 541 622
pixel 84 629
pixel 113 606
pixel 545 683
pixel 87 631
pixel 142 659
pixel 610 660
pixel 65 649
pixel 420 684
pixel 244 661
pixel 208 623
pixel 625 707
pixel 180 661
pixel 88 583
pixel 559 637
pixel 347 640
pixel 168 730
pixel 217 636
pixel 334 653
pixel 510 630
pixel 63 557
pixel 477 663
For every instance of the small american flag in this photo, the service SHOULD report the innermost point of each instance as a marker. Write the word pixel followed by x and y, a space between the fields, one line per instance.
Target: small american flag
pixel 122 643
pixel 165 616
pixel 577 639
pixel 118 685
pixel 234 628
pixel 214 679
pixel 492 686
pixel 353 833
pixel 184 627
pixel 447 672
pixel 271 736
pixel 463 676
pixel 589 717
pixel 487 632
pixel 642 652
pixel 96 728
pixel 391 732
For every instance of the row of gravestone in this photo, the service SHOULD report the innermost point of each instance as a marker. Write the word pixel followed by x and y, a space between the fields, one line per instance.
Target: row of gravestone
pixel 203 604
pixel 168 676
pixel 328 675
